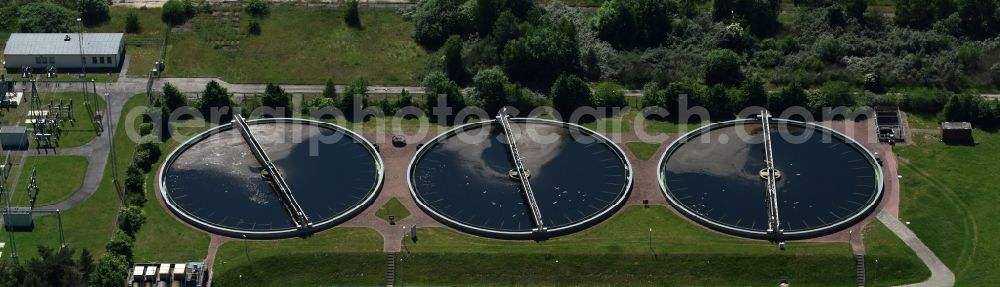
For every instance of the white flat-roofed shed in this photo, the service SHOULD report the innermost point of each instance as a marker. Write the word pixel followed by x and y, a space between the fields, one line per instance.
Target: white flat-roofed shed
pixel 99 51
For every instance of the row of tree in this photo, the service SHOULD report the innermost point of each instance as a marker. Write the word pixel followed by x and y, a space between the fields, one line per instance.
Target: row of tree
pixel 50 268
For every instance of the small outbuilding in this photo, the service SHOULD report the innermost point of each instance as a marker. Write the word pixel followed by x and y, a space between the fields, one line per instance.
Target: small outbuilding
pixel 63 51
pixel 13 138
pixel 956 132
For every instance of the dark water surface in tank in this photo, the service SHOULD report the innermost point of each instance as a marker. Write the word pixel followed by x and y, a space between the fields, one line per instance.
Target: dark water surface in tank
pixel 824 180
pixel 465 176
pixel 218 179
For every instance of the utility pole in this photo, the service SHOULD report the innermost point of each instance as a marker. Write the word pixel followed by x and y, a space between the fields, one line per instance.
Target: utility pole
pixel 10 229
pixel 111 146
pixel 62 236
pixel 83 59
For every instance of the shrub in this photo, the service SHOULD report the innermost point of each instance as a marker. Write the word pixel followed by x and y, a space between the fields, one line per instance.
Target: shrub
pixel 832 94
pixel 207 7
pixel 330 89
pixel 723 67
pixel 44 17
pixel 436 84
pixel 254 28
pixel 355 97
pixel 134 179
pixel 143 160
pixel 752 94
pixel 318 103
pixel 130 219
pixel 690 91
pixel 968 56
pixel 275 97
pixel 214 97
pixel 111 270
pixel 145 129
pixel 173 99
pixel 829 49
pixel 924 101
pixel 121 244
pixel 175 12
pixel 569 93
pixel 132 23
pixel 86 262
pixel 608 95
pixel 150 143
pixel 93 11
pixel 652 95
pixel 453 59
pixel 873 83
pixel 963 108
pixel 760 16
pixel 257 8
pixel 435 20
pixel 543 54
pixel 351 17
pixel 791 96
pixel 634 23
pixel 522 98
pixel 490 84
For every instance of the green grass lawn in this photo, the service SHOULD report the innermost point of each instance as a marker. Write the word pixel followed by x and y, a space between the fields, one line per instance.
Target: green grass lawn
pixel 149 22
pixel 84 130
pixel 897 264
pixel 393 207
pixel 622 251
pixel 920 121
pixel 300 45
pixel 949 197
pixel 342 256
pixel 58 177
pixel 88 225
pixel 642 150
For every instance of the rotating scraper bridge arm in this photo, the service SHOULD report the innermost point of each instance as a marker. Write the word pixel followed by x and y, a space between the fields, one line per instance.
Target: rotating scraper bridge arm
pixel 522 173
pixel 772 192
pixel 280 186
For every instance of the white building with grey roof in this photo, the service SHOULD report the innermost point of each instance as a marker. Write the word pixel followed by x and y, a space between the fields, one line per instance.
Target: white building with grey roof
pixel 64 51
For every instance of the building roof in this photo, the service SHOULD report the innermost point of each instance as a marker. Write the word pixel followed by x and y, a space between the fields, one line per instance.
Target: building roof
pixel 956 125
pixel 56 44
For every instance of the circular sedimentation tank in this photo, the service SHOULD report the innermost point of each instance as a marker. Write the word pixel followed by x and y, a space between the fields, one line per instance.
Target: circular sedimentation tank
pixel 824 181
pixel 214 181
pixel 467 178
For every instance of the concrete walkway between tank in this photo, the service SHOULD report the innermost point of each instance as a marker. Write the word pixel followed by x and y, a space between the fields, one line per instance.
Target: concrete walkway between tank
pixel 940 274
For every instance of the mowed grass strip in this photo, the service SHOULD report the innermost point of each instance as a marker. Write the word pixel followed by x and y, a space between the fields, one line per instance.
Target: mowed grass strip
pixel 642 150
pixel 897 264
pixel 300 45
pixel 164 238
pixel 342 256
pixel 622 251
pixel 949 197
